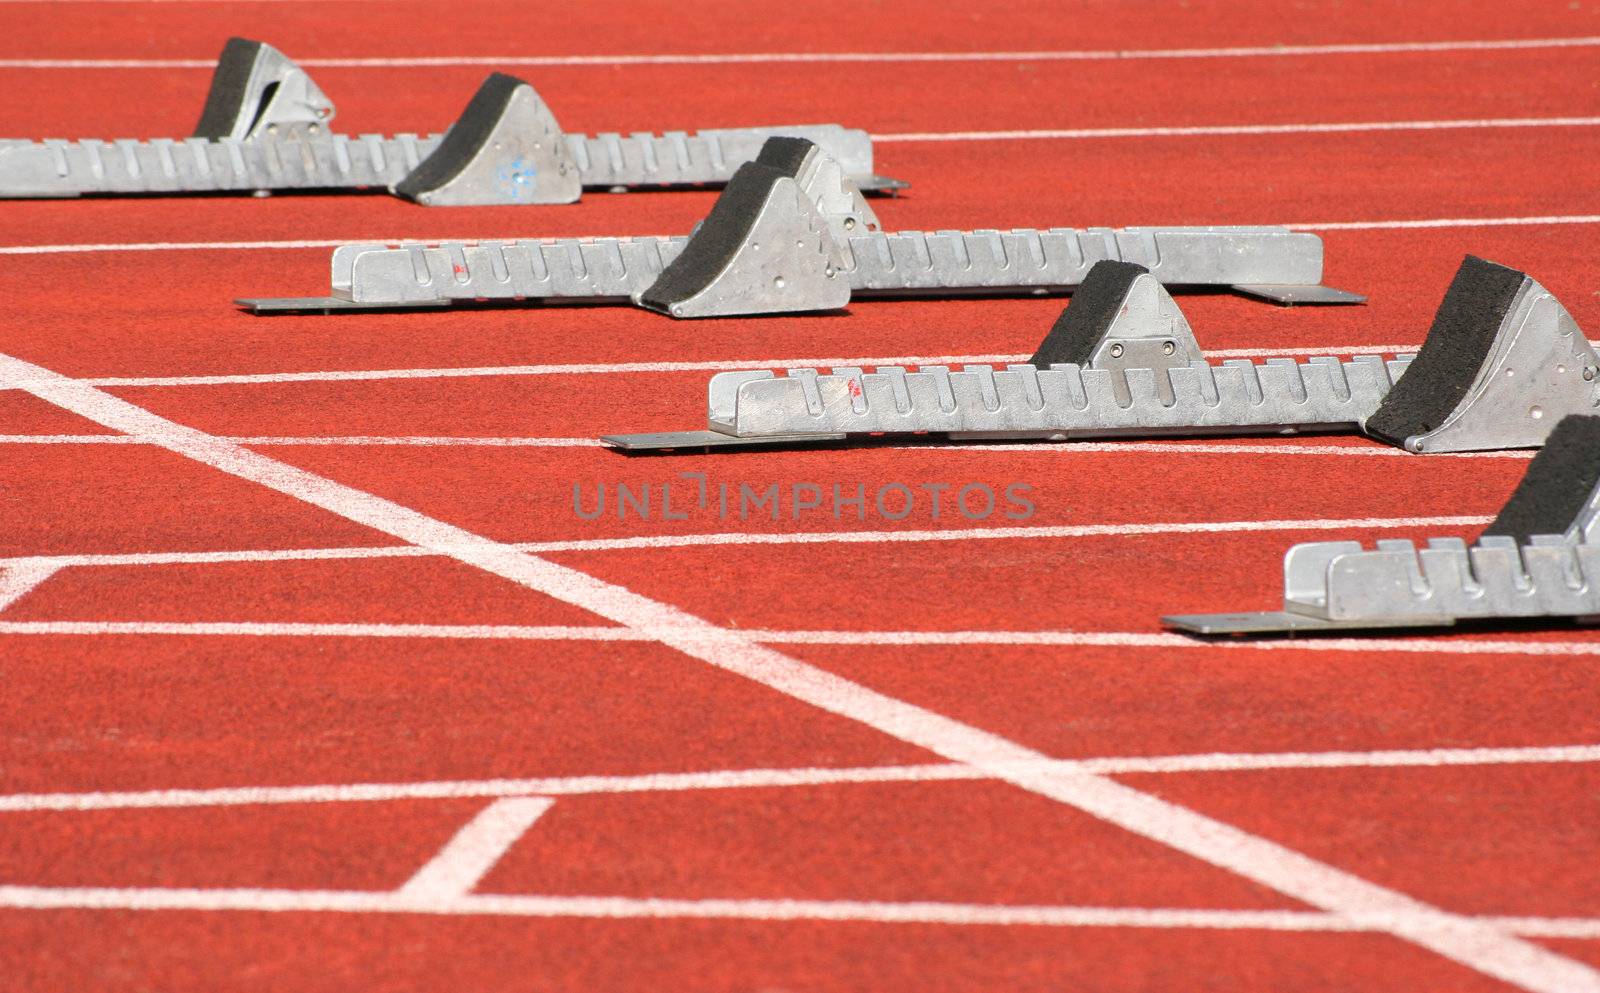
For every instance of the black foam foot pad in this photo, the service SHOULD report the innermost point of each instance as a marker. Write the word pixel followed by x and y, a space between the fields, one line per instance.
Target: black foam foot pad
pixel 718 240
pixel 1088 317
pixel 786 155
pixel 1457 346
pixel 229 80
pixel 1558 482
pixel 465 137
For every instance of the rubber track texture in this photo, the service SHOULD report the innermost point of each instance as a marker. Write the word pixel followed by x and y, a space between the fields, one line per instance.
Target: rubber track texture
pixel 1557 485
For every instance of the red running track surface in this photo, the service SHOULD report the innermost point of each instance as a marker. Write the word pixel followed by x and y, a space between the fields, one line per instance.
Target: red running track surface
pixel 264 730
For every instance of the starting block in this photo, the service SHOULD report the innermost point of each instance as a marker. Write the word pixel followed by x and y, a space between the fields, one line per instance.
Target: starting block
pixel 264 127
pixel 791 233
pixel 1503 362
pixel 1540 559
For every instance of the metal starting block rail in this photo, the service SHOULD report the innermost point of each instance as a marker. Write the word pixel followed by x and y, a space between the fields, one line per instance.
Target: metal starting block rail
pixel 791 233
pixel 265 127
pixel 1540 559
pixel 1502 363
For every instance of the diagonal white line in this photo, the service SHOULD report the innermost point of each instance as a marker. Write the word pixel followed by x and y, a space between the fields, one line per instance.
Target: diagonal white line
pixel 719 58
pixel 733 779
pixel 467 858
pixel 1467 942
pixel 18 577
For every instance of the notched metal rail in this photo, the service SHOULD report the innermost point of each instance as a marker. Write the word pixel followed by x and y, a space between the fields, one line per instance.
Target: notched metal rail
pixel 285 157
pixel 567 269
pixel 265 128
pixel 1057 402
pixel 769 259
pixel 1138 371
pixel 884 264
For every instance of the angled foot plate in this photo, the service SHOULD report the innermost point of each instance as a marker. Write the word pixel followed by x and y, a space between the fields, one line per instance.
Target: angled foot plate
pixel 668 441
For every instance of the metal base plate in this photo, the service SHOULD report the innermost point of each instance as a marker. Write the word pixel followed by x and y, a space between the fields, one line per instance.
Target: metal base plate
pixel 673 440
pixel 1283 622
pixel 1293 294
pixel 326 305
pixel 880 184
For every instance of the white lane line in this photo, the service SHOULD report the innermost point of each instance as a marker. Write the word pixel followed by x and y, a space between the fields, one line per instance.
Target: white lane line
pixel 198 246
pixel 993 448
pixel 987 534
pixel 244 555
pixel 843 911
pixel 798 537
pixel 421 441
pixel 777 538
pixel 1210 130
pixel 212 246
pixel 18 577
pixel 1134 639
pixel 291 629
pixel 70 439
pixel 219 2
pixel 1469 943
pixel 425 441
pixel 1449 222
pixel 733 779
pixel 573 369
pixel 516 632
pixel 468 856
pixel 735 58
pixel 1548 927
pixel 566 369
pixel 359 901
